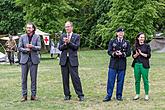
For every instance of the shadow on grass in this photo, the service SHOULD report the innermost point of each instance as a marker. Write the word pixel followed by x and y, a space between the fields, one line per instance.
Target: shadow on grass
pixel 47 58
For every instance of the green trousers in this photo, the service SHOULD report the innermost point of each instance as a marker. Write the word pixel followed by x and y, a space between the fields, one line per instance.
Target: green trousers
pixel 139 71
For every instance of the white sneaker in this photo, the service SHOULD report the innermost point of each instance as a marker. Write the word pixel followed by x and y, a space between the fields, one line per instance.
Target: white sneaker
pixel 136 97
pixel 146 97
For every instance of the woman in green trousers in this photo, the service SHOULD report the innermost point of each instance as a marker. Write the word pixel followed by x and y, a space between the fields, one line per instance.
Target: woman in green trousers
pixel 141 56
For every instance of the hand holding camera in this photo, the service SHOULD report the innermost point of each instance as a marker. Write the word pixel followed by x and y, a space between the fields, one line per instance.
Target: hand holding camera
pixel 118 53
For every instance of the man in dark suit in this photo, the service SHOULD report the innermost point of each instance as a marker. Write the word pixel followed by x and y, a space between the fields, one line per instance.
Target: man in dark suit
pixel 29 46
pixel 118 49
pixel 69 44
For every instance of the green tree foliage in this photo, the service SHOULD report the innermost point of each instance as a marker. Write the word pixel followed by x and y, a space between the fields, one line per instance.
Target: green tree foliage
pixel 133 15
pixel 11 17
pixel 83 18
pixel 97 20
pixel 101 9
pixel 159 23
pixel 46 14
pixel 87 14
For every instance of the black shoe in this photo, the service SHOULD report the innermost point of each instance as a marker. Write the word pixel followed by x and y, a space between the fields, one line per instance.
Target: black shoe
pixel 119 98
pixel 81 98
pixel 34 98
pixel 106 99
pixel 67 97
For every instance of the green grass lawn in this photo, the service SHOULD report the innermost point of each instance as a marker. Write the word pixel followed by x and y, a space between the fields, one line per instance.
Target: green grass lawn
pixel 93 73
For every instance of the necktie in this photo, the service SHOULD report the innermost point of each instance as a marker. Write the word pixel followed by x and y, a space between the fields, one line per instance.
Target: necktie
pixel 120 40
pixel 68 36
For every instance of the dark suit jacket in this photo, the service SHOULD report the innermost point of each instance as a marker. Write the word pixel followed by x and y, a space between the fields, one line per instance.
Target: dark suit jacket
pixel 71 48
pixel 36 42
pixel 117 62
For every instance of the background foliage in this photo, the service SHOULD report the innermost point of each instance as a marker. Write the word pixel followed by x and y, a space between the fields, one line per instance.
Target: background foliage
pixel 95 20
pixel 11 17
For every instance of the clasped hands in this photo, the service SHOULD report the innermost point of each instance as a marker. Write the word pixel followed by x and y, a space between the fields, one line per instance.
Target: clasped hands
pixel 66 40
pixel 138 52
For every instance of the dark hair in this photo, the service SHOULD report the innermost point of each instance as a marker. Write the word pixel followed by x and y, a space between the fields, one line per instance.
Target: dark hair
pixel 30 23
pixel 137 41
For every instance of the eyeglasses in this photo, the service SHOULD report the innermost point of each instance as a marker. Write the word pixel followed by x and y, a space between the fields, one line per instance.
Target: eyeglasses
pixel 67 26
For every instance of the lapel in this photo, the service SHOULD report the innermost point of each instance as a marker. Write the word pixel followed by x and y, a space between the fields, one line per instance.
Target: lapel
pixel 26 39
pixel 64 35
pixel 33 41
pixel 120 43
pixel 72 38
pixel 116 41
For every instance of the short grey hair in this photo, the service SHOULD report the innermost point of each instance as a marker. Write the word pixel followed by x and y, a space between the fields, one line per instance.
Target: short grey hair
pixel 71 23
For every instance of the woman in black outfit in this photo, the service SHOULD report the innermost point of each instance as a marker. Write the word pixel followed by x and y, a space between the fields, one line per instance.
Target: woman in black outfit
pixel 141 55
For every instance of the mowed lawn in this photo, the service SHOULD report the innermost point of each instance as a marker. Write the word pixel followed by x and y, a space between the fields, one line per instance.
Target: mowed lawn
pixel 93 73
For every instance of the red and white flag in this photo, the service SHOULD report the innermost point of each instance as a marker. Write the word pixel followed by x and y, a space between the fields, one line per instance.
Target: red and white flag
pixel 46 40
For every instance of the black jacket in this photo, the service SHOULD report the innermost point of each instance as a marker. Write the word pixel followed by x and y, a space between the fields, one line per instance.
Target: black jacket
pixel 118 62
pixel 71 48
pixel 145 48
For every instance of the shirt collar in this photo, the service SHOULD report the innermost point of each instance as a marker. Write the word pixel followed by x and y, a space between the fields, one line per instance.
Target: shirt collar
pixel 118 39
pixel 70 34
pixel 30 35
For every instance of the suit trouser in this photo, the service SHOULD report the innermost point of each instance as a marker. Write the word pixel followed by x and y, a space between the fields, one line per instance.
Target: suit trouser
pixel 33 74
pixel 138 71
pixel 112 73
pixel 73 71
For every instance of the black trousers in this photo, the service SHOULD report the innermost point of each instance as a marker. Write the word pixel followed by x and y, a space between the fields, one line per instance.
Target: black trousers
pixel 73 71
pixel 10 57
